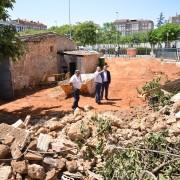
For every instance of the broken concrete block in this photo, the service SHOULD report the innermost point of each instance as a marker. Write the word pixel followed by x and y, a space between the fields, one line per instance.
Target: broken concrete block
pixel 36 171
pixel 8 140
pixel 52 174
pixel 50 161
pixel 15 151
pixel 4 151
pixel 19 166
pixel 176 98
pixel 71 166
pixel 76 133
pixel 32 145
pixel 19 124
pixel 27 120
pixel 55 163
pixel 43 142
pixel 5 172
pixel 21 136
pixel 63 144
pixel 177 115
pixel 33 157
pixel 42 130
pixel 19 177
pixel 54 125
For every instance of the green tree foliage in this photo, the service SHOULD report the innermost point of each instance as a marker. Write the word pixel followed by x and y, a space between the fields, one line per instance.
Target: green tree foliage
pixel 160 34
pixel 109 33
pixel 160 20
pixel 4 5
pixel 10 44
pixel 63 30
pixel 85 33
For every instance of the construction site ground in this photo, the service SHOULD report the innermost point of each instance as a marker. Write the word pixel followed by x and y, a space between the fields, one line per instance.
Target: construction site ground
pixel 127 75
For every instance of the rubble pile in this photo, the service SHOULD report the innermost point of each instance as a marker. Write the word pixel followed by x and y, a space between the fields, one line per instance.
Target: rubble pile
pixel 70 147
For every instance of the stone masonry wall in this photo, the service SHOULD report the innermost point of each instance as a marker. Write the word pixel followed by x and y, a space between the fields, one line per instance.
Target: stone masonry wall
pixel 89 63
pixel 40 59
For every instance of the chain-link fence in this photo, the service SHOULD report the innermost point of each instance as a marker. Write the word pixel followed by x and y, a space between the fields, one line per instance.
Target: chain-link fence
pixel 168 53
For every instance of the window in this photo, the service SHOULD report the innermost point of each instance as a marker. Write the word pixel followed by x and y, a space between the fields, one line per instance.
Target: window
pixel 51 49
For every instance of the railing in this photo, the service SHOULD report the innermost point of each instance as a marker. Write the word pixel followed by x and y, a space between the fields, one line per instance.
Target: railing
pixel 168 53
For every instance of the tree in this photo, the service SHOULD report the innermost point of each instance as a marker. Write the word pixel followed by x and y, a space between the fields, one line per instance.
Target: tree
pixel 85 33
pixel 10 44
pixel 4 5
pixel 109 33
pixel 160 20
pixel 159 35
pixel 166 33
pixel 169 32
pixel 63 30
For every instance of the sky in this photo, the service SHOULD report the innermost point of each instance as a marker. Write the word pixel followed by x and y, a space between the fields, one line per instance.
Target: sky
pixel 56 12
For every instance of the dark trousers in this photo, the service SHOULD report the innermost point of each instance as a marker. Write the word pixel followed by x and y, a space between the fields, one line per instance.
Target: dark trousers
pixel 76 93
pixel 105 87
pixel 98 92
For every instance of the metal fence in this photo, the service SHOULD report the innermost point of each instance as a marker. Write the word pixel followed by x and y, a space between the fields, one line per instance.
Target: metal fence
pixel 168 53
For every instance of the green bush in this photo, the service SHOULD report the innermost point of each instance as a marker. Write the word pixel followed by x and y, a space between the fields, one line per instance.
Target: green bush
pixel 143 51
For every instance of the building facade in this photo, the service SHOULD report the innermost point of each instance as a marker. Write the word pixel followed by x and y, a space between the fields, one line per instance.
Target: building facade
pixel 85 61
pixel 41 59
pixel 128 27
pixel 23 25
pixel 175 19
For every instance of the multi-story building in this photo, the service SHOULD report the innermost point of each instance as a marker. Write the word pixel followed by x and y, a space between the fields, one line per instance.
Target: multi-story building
pixel 128 27
pixel 175 19
pixel 23 25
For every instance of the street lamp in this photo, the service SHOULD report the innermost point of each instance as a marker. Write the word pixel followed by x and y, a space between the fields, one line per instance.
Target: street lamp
pixel 167 39
pixel 70 33
pixel 117 13
pixel 96 37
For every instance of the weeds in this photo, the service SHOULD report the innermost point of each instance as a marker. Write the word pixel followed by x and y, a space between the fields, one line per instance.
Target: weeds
pixel 135 164
pixel 153 93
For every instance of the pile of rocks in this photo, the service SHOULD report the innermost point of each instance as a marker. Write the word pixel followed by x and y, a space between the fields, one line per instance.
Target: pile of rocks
pixel 58 148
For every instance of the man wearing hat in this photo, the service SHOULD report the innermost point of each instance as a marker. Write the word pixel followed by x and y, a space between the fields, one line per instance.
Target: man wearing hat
pixel 106 80
pixel 76 83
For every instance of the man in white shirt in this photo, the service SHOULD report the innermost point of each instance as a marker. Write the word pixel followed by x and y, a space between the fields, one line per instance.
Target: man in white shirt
pixel 76 83
pixel 98 84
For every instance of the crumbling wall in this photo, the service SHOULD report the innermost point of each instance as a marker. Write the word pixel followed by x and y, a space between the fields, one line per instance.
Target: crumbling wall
pixel 40 59
pixel 89 63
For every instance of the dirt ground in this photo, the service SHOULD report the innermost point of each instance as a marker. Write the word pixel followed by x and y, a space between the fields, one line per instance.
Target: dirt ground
pixel 127 75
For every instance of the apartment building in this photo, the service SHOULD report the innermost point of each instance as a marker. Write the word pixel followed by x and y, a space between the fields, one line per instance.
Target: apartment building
pixel 23 25
pixel 128 27
pixel 175 19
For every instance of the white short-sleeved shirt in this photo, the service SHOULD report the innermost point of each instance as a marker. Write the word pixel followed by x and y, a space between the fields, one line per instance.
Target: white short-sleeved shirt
pixel 105 76
pixel 76 81
pixel 97 77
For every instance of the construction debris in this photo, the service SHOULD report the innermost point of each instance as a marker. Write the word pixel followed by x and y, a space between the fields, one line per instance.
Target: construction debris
pixel 5 172
pixel 79 145
pixel 43 142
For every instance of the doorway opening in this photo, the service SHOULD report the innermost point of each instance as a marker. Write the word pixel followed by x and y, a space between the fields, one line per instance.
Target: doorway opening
pixel 72 67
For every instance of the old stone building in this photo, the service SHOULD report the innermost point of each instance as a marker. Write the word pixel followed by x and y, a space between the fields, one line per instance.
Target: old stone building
pixel 41 58
pixel 85 61
pixel 46 54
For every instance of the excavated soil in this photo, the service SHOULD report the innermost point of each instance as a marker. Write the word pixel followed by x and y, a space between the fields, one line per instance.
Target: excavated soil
pixel 127 75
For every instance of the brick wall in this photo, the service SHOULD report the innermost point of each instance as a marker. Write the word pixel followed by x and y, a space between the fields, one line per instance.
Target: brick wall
pixel 40 59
